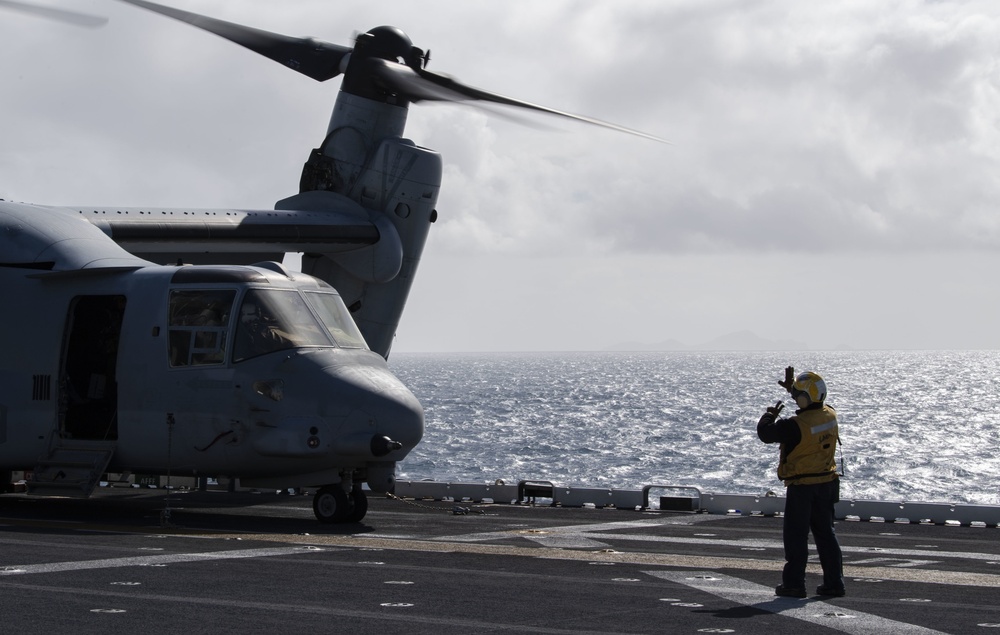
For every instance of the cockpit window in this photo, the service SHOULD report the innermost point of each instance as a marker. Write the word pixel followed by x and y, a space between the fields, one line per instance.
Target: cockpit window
pixel 337 319
pixel 198 324
pixel 274 320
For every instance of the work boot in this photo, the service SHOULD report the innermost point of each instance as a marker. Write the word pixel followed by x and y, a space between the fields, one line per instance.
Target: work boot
pixel 837 592
pixel 789 592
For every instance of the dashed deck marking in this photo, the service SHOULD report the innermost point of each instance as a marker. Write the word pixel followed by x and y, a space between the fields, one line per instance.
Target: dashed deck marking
pixel 137 561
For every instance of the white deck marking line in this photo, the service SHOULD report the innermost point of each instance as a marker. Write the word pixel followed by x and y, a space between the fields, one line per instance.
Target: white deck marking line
pixel 777 544
pixel 762 597
pixel 589 535
pixel 570 530
pixel 136 561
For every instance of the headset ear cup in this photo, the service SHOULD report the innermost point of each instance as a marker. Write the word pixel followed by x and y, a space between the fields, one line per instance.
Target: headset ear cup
pixel 809 384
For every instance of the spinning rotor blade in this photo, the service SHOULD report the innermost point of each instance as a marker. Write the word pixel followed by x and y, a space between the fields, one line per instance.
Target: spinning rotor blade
pixel 423 85
pixel 313 58
pixel 383 65
pixel 61 15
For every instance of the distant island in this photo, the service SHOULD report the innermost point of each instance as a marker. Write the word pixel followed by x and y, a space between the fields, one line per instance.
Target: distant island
pixel 738 341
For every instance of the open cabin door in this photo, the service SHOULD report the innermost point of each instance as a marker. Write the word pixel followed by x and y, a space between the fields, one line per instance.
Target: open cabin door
pixel 88 399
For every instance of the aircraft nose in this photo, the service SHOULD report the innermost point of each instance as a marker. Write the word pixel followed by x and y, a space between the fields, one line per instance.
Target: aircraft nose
pixel 385 421
pixel 342 408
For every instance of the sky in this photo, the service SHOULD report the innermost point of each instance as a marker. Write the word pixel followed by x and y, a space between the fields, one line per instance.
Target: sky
pixel 833 175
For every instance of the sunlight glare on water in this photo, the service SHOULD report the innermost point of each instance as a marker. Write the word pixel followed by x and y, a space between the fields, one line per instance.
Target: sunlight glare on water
pixel 916 425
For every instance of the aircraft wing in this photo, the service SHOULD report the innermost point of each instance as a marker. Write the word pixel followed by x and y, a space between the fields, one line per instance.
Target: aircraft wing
pixel 233 236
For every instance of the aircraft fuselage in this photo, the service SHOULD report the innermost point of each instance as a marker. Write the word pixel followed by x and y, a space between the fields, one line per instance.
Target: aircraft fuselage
pixel 244 371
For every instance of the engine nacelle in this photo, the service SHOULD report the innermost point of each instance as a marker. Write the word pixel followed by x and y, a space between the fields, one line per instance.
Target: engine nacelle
pixel 399 189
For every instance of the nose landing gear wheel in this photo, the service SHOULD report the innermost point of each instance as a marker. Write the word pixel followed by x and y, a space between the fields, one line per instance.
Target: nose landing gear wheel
pixel 331 505
pixel 359 505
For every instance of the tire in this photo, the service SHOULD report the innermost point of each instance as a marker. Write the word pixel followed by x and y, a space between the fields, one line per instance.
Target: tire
pixel 359 506
pixel 331 505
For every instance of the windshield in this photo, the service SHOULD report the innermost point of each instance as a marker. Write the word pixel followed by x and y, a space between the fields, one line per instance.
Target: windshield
pixel 273 320
pixel 337 319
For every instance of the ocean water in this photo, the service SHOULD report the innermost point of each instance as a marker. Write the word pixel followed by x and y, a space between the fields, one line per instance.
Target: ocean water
pixel 915 425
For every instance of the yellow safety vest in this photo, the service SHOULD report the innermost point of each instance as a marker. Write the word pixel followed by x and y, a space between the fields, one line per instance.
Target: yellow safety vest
pixel 813 460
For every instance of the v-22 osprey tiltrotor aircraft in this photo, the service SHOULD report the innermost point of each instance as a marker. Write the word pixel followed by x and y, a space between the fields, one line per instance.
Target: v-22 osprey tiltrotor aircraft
pixel 171 341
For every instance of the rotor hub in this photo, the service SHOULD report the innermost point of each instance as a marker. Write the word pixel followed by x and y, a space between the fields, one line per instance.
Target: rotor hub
pixel 386 42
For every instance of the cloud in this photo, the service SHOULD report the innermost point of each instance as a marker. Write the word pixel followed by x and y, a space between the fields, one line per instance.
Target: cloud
pixel 842 128
pixel 814 135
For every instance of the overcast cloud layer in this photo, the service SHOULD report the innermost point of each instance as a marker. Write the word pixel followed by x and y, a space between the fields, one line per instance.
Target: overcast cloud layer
pixel 833 176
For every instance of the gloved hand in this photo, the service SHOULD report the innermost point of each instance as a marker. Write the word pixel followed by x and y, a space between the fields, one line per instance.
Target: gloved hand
pixel 776 409
pixel 789 379
pixel 771 414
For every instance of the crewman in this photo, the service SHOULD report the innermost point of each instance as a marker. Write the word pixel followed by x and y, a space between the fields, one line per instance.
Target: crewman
pixel 807 465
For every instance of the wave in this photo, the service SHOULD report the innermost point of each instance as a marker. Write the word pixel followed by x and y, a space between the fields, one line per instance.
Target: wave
pixel 916 425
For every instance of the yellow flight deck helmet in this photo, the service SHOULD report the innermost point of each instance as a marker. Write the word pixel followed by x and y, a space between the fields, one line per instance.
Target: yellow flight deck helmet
pixel 810 387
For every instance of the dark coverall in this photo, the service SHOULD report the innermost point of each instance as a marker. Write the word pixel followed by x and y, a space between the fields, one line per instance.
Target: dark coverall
pixel 807 507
